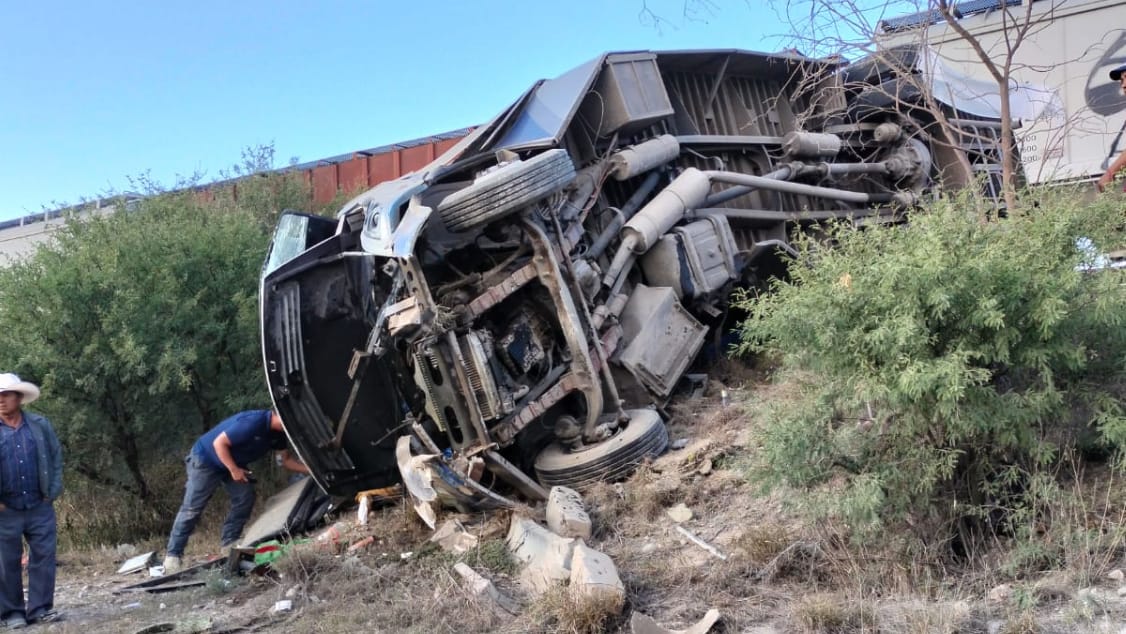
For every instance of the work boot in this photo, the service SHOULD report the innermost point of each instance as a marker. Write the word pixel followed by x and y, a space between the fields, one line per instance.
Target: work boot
pixel 172 564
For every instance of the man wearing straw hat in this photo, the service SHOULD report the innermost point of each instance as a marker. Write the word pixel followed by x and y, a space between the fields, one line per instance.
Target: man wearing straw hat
pixel 31 478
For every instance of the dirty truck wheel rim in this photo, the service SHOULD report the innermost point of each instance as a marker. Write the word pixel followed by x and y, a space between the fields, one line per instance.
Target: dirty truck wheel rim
pixel 645 436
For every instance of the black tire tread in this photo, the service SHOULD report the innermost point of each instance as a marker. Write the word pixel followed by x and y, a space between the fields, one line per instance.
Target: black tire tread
pixel 610 466
pixel 509 188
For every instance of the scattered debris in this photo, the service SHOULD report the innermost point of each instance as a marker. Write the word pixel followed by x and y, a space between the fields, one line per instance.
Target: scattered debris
pixel 701 543
pixel 137 564
pixel 1116 574
pixel 705 467
pixel 329 538
pixel 365 500
pixel 172 587
pixel 268 552
pixel 643 624
pixel 175 581
pixel 594 574
pixel 679 443
pixel 361 544
pixel 566 513
pixel 362 509
pixel 680 513
pixel 546 556
pixel 453 537
pixel 284 605
pixel 131 606
pixel 417 478
pixel 481 586
pixel 298 508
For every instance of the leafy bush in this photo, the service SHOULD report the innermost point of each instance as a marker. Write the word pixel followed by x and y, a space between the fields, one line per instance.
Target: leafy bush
pixel 938 365
pixel 141 327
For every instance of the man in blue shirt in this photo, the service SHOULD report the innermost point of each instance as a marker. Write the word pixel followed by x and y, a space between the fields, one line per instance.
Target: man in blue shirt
pixel 221 456
pixel 31 478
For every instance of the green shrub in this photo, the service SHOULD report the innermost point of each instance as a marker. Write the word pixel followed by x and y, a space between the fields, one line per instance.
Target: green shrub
pixel 141 326
pixel 938 365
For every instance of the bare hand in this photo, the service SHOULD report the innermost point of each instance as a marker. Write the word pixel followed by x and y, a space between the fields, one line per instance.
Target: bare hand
pixel 238 474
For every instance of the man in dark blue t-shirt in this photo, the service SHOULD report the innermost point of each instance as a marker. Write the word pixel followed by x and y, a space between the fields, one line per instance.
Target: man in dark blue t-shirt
pixel 220 457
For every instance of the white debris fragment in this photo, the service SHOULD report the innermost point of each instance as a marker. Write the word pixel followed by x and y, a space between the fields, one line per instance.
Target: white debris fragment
pixel 680 513
pixel 545 555
pixel 417 477
pixel 594 574
pixel 566 513
pixel 362 510
pixel 701 543
pixel 285 605
pixel 136 564
pixel 481 586
pixel 453 537
pixel 643 624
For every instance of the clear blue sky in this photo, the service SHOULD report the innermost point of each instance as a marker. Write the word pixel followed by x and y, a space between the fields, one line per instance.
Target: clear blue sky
pixel 93 92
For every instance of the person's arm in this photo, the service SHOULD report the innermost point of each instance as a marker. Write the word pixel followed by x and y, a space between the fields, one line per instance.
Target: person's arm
pixel 292 463
pixel 222 447
pixel 1117 166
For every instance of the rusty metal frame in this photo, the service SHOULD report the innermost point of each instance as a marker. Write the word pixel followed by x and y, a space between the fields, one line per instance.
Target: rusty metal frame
pixel 496 294
pixel 506 431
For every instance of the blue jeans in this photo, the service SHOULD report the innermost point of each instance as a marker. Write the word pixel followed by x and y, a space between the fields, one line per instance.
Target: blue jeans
pixel 37 526
pixel 203 479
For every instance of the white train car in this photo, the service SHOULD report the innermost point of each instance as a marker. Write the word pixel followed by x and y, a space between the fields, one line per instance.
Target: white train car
pixel 1078 124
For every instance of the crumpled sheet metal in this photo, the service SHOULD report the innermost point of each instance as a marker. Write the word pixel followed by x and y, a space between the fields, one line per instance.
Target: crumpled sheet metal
pixel 417 478
pixel 430 477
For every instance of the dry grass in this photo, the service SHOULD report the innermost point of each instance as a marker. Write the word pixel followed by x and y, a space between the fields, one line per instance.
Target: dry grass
pixel 823 613
pixel 931 617
pixel 1024 623
pixel 780 569
pixel 560 610
pixel 392 598
pixel 378 590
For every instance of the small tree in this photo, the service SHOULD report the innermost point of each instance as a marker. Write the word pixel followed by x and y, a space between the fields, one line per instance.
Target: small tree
pixel 142 324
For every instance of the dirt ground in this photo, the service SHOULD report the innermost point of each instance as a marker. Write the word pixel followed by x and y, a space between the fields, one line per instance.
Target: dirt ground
pixel 770 573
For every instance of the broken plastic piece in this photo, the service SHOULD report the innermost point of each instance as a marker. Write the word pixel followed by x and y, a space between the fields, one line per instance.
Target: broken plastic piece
pixel 643 624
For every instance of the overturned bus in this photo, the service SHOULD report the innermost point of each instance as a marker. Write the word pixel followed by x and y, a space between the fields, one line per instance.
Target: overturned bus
pixel 516 314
